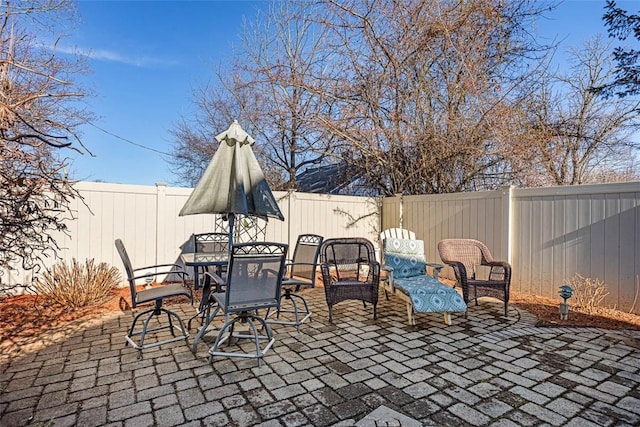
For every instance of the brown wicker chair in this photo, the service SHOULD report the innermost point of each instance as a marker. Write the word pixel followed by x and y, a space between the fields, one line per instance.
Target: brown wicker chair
pixel 349 271
pixel 466 256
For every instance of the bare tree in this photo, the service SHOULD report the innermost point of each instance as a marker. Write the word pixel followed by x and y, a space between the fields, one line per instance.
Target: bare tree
pixel 421 88
pixel 264 86
pixel 573 135
pixel 39 114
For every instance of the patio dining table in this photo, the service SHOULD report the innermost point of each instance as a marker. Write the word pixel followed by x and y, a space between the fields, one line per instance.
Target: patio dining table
pixel 198 260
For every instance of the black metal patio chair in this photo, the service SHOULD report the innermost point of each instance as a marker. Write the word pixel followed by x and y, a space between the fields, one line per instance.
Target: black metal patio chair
pixel 154 295
pixel 300 272
pixel 253 283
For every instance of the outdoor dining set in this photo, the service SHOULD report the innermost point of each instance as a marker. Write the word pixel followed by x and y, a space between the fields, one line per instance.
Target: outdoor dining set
pixel 252 284
pixel 253 287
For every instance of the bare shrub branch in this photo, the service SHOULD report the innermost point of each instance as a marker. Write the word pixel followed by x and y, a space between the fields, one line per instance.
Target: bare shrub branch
pixel 78 285
pixel 588 293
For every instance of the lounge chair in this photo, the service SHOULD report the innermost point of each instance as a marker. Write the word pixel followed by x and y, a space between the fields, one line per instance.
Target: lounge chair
pixel 408 278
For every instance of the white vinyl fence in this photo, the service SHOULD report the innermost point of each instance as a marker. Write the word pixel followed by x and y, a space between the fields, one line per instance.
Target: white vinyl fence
pixel 146 219
pixel 547 234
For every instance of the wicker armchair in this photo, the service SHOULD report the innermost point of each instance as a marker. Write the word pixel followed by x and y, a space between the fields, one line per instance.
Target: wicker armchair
pixel 467 256
pixel 349 271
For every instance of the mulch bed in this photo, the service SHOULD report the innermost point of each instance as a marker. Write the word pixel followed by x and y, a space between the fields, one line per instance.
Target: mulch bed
pixel 548 314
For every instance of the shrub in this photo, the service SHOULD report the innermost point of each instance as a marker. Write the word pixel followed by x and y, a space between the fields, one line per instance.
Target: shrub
pixel 588 293
pixel 78 285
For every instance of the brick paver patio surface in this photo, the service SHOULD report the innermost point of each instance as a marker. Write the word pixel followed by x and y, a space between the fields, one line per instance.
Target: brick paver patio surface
pixel 484 370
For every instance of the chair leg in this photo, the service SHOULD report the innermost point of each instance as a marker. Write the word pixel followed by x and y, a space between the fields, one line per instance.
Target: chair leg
pixel 205 325
pixel 173 333
pixel 202 312
pixel 135 320
pixel 447 318
pixel 296 312
pixel 251 320
pixel 256 339
pixel 411 315
pixel 260 353
pixel 155 312
pixel 221 338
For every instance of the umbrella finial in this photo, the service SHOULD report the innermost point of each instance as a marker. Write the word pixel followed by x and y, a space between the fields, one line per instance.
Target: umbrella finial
pixel 235 134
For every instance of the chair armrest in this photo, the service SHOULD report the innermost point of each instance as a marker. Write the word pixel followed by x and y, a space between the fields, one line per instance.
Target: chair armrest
pixel 459 269
pixel 461 277
pixel 325 270
pixel 436 268
pixel 159 265
pixel 388 279
pixel 503 265
pixel 263 272
pixel 182 274
pixel 288 266
pixel 219 281
pixel 298 263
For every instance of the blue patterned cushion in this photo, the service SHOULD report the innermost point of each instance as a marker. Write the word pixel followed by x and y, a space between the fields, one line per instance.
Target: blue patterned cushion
pixel 406 257
pixel 430 295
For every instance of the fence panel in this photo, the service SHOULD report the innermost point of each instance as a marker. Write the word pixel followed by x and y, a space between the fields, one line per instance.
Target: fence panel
pixel 548 234
pixel 481 215
pixel 333 216
pixel 591 230
pixel 146 219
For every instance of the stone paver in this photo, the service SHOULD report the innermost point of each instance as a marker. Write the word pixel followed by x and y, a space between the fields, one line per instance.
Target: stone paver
pixel 483 370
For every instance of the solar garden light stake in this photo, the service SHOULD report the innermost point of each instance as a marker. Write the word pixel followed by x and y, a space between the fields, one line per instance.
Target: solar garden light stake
pixel 565 292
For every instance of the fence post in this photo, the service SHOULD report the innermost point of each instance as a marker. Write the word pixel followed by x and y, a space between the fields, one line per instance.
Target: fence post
pixel 161 221
pixel 507 215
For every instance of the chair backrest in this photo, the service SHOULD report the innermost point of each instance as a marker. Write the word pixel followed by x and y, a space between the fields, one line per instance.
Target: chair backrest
pixel 349 258
pixel 255 275
pixel 406 256
pixel 211 242
pixel 305 258
pixel 469 252
pixel 396 233
pixel 127 268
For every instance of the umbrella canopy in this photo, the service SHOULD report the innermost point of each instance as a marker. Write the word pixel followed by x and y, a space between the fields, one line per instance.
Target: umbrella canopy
pixel 233 183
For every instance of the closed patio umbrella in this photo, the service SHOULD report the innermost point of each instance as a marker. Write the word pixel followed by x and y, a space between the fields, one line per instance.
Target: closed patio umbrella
pixel 233 183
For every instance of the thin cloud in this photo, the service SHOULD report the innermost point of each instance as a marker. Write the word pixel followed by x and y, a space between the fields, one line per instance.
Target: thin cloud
pixel 112 56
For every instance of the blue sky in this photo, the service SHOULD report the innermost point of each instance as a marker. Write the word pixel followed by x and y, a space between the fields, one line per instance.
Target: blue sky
pixel 149 56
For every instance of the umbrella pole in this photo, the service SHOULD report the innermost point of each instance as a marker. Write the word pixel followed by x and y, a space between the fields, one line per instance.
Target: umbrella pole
pixel 232 220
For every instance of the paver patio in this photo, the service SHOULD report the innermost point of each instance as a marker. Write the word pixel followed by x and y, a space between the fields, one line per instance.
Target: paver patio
pixel 483 370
